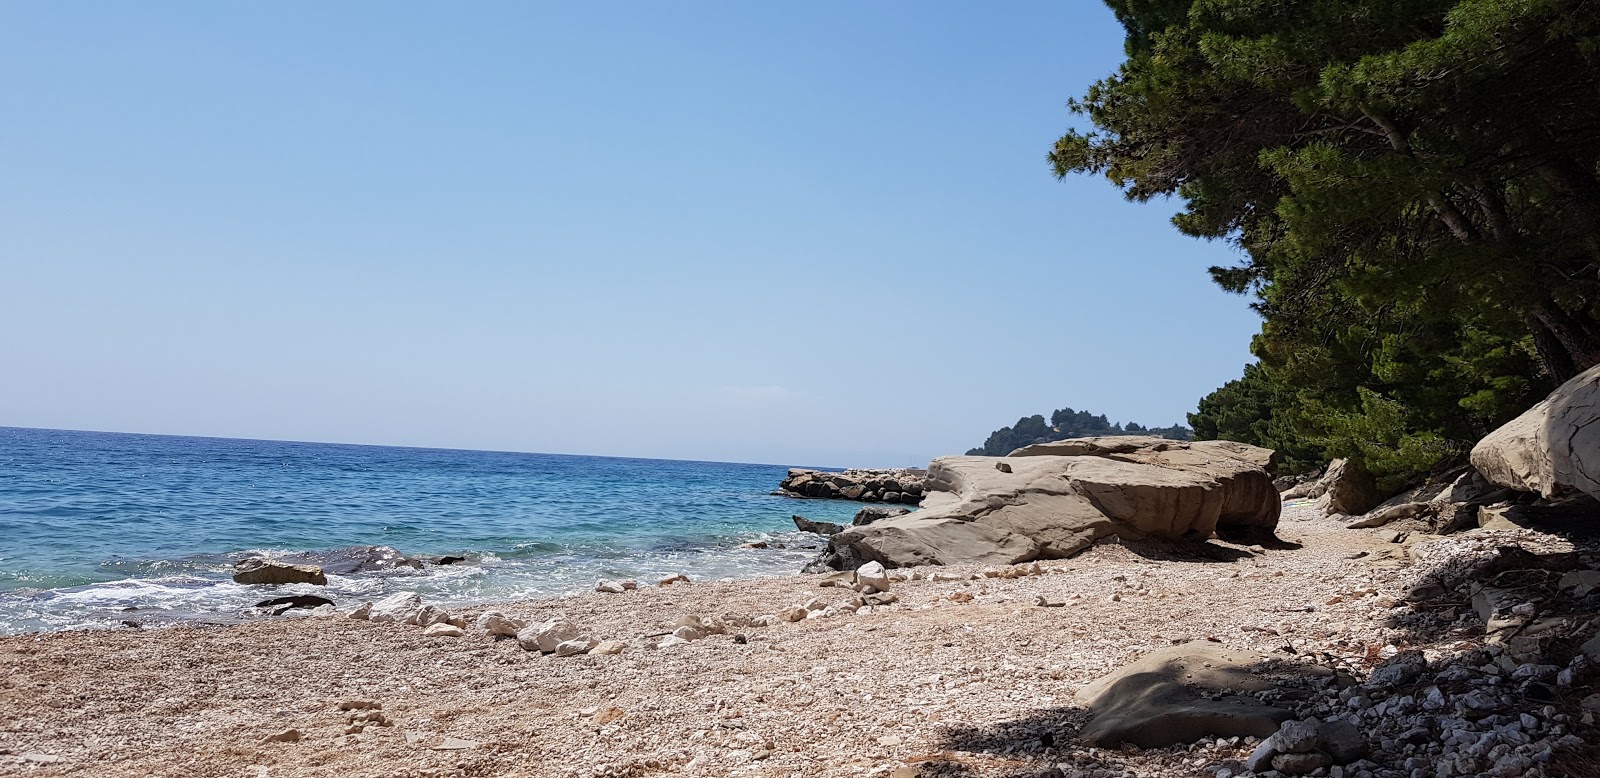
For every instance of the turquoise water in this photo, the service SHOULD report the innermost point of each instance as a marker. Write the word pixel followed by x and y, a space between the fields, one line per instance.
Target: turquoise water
pixel 99 528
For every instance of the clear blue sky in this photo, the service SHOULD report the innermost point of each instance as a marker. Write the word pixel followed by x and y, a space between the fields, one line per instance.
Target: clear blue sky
pixel 818 233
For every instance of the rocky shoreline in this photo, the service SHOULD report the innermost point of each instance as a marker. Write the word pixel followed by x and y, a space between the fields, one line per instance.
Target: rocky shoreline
pixel 954 670
pixel 1128 607
pixel 899 485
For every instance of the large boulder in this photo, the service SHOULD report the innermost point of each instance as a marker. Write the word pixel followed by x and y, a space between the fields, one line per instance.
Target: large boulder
pixel 1182 693
pixel 1553 448
pixel 1349 489
pixel 1053 500
pixel 257 570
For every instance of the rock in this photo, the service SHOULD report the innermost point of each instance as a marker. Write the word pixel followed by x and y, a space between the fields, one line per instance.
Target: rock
pixel 279 605
pixel 1343 741
pixel 1581 582
pixel 608 647
pixel 272 572
pixel 1295 737
pixel 672 579
pixel 348 705
pixel 1182 693
pixel 870 514
pixel 428 615
pixel 286 736
pixel 442 630
pixel 1553 448
pixel 792 614
pixel 400 607
pixel 496 623
pixel 356 559
pixel 853 484
pixel 874 575
pixel 361 611
pixel 547 636
pixel 574 647
pixel 1380 517
pixel 1301 764
pixel 1060 497
pixel 609 586
pixel 825 528
pixel 687 632
pixel 1351 490
pixel 1403 668
pixel 455 744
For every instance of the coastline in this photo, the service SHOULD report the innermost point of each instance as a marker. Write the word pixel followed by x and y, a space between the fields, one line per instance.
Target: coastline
pixel 927 685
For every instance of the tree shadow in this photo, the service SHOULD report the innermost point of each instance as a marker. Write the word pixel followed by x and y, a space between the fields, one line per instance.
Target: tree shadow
pixel 1186 551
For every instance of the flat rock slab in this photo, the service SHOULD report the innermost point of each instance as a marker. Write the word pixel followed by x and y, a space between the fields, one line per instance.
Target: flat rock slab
pixel 1171 695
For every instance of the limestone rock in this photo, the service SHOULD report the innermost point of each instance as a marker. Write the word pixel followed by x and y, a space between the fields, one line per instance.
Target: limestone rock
pixel 1553 448
pixel 1351 490
pixel 547 636
pixel 496 623
pixel 361 611
pixel 608 647
pixel 1182 693
pixel 574 647
pixel 1057 498
pixel 871 514
pixel 672 579
pixel 443 630
pixel 874 575
pixel 429 615
pixel 400 608
pixel 268 571
pixel 609 586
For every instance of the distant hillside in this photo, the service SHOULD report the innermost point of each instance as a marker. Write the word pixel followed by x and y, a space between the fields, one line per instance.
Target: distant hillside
pixel 1067 423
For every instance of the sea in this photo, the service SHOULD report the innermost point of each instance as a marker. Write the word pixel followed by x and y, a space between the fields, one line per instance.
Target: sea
pixel 111 530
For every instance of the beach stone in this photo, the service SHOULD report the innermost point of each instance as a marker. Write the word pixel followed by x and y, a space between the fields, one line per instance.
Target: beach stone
pixel 442 630
pixel 257 570
pixel 672 579
pixel 400 607
pixel 1301 763
pixel 687 632
pixel 361 611
pixel 629 584
pixel 1553 448
pixel 280 605
pixel 874 575
pixel 609 586
pixel 574 647
pixel 545 637
pixel 1296 737
pixel 1182 693
pixel 608 647
pixel 496 623
pixel 428 615
pixel 793 614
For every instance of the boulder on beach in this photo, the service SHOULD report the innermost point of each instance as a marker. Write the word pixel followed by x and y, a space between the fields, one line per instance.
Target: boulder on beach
pixel 1053 500
pixel 257 570
pixel 1182 693
pixel 1553 448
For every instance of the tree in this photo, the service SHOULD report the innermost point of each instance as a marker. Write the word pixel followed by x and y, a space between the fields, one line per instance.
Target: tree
pixel 1414 186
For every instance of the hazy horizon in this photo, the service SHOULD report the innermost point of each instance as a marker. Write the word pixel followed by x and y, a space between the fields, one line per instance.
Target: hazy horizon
pixel 711 231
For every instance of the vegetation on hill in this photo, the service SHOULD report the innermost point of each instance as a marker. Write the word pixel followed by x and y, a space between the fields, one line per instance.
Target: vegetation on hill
pixel 1414 188
pixel 1066 423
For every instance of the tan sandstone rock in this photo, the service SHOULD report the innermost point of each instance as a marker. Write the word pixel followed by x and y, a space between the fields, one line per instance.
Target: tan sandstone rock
pixel 1055 499
pixel 1553 448
pixel 1185 692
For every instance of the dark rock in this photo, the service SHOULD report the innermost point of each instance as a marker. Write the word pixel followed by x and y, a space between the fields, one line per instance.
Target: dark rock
pixel 356 559
pixel 1342 741
pixel 270 571
pixel 281 605
pixel 1301 764
pixel 819 527
pixel 869 515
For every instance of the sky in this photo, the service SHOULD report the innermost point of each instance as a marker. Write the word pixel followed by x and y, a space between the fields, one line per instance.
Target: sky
pixel 816 233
